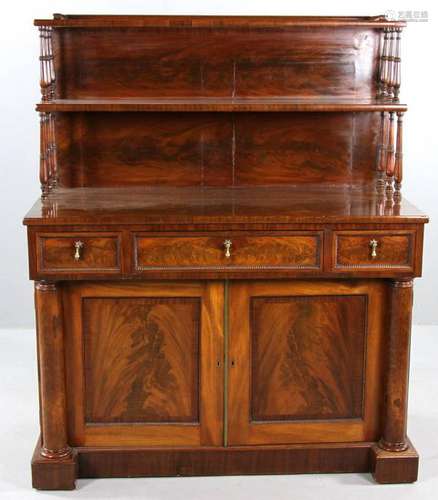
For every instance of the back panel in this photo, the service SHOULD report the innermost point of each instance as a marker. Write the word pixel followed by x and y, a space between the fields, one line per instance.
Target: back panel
pixel 170 62
pixel 215 149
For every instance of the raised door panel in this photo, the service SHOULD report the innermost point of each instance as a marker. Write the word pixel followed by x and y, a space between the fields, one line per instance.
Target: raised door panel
pixel 304 361
pixel 145 365
pixel 307 357
pixel 141 358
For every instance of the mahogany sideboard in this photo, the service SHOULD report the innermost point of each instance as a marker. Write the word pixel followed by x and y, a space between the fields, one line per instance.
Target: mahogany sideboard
pixel 222 256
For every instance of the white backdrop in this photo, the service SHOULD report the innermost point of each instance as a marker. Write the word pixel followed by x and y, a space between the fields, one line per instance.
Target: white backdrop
pixel 19 146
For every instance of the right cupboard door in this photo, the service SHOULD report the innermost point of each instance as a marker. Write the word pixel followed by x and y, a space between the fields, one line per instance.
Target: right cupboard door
pixel 305 361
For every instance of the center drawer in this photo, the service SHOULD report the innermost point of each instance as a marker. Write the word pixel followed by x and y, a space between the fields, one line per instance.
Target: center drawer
pixel 282 251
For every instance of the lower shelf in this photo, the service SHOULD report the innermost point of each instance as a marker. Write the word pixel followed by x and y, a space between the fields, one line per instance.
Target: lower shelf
pixel 386 467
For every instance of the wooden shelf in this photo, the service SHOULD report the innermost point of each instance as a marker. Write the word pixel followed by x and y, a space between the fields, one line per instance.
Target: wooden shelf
pixel 188 205
pixel 217 22
pixel 219 104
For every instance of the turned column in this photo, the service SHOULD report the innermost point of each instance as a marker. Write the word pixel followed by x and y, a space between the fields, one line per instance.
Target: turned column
pixel 397 375
pixel 390 156
pixel 398 167
pixel 50 338
pixel 381 156
pixel 44 157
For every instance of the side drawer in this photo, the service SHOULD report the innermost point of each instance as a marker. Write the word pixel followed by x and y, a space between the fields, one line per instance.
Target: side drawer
pixel 284 251
pixel 373 250
pixel 78 252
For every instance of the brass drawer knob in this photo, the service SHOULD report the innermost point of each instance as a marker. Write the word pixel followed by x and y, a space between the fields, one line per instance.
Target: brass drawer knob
pixel 227 245
pixel 78 247
pixel 373 247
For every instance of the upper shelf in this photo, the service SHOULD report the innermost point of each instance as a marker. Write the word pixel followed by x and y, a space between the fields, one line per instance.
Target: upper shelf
pixel 219 104
pixel 116 21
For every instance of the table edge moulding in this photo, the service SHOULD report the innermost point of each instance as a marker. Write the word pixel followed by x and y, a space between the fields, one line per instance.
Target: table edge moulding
pixel 222 256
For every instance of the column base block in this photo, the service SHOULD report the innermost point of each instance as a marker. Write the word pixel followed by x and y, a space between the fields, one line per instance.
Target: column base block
pixel 52 473
pixel 394 466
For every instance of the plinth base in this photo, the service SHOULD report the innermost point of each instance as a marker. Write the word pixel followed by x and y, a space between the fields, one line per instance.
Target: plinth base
pixel 386 467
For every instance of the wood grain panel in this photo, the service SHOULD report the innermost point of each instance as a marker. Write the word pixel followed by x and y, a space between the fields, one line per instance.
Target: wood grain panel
pixel 293 376
pixel 304 148
pixel 395 249
pixel 56 252
pixel 247 251
pixel 141 359
pixel 216 149
pixel 307 357
pixel 307 62
pixel 146 148
pixel 145 364
pixel 216 62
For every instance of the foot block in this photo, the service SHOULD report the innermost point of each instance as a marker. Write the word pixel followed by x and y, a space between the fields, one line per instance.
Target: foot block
pixel 394 466
pixel 53 474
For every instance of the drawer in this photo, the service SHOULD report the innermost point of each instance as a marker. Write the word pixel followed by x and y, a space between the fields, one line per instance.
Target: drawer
pixel 373 250
pixel 285 251
pixel 81 252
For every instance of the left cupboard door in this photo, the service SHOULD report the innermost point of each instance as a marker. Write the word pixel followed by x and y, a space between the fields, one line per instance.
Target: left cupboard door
pixel 144 363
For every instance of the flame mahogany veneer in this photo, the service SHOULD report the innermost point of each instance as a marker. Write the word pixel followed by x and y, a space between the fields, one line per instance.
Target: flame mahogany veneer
pixel 223 260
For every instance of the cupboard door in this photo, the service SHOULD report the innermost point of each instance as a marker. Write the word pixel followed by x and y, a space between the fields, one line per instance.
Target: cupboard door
pixel 304 361
pixel 144 363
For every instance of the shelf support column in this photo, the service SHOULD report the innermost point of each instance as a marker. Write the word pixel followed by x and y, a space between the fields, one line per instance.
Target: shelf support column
pixel 390 156
pixel 47 67
pixel 397 374
pixel 381 157
pixel 48 164
pixel 50 342
pixel 398 168
pixel 397 64
pixel 48 174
